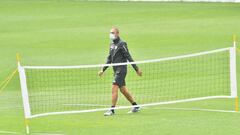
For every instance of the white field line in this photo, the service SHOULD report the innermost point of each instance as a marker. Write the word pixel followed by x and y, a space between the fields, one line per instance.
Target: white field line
pixel 126 107
pixel 197 1
pixel 161 108
pixel 193 109
pixel 47 134
pixel 90 105
pixel 128 63
pixel 12 107
pixel 9 132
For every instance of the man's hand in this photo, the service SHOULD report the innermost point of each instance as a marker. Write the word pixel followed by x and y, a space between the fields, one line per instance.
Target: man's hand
pixel 139 72
pixel 100 73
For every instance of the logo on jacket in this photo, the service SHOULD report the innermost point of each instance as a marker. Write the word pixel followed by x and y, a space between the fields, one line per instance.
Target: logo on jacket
pixel 112 47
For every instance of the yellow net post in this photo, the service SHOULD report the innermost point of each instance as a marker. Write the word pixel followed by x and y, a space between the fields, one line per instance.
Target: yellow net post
pixel 235 42
pixel 18 57
pixel 236 107
pixel 26 120
pixel 234 39
pixel 27 125
pixel 238 50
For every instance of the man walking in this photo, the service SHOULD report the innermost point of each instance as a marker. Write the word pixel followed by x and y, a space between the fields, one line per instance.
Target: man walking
pixel 119 54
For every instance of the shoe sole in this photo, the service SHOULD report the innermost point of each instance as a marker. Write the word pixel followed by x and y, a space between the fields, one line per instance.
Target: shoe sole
pixel 108 115
pixel 133 112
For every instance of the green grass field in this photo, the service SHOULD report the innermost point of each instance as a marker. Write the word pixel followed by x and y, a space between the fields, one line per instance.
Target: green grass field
pixel 62 32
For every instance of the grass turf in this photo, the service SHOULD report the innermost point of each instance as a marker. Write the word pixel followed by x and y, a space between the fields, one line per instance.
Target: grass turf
pixel 64 32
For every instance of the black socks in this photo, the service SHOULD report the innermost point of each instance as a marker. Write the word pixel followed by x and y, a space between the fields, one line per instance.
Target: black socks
pixel 112 109
pixel 134 103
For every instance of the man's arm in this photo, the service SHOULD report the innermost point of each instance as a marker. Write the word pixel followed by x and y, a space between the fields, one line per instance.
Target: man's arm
pixel 100 73
pixel 128 56
pixel 108 60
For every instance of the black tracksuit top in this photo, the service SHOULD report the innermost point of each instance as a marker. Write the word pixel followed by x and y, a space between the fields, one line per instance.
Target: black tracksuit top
pixel 118 53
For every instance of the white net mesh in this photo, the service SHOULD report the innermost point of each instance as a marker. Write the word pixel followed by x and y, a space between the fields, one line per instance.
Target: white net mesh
pixel 63 89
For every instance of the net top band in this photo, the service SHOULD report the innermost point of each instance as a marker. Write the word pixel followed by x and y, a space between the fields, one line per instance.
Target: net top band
pixel 130 63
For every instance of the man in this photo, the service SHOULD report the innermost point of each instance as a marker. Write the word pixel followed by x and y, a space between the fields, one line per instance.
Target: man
pixel 119 53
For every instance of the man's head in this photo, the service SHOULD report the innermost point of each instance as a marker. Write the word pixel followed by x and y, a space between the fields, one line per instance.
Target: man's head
pixel 114 33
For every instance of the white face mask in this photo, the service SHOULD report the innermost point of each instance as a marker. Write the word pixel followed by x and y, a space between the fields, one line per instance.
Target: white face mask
pixel 112 36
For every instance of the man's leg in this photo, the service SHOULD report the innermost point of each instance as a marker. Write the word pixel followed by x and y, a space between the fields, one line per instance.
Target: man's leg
pixel 129 97
pixel 114 94
pixel 115 87
pixel 114 100
pixel 126 93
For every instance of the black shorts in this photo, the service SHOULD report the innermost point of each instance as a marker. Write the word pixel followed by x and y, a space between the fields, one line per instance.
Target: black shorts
pixel 119 79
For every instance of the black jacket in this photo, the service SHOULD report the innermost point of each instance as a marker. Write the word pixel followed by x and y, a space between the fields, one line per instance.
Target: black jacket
pixel 119 53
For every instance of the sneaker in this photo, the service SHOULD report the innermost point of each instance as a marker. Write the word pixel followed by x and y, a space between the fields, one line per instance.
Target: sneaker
pixel 134 110
pixel 109 113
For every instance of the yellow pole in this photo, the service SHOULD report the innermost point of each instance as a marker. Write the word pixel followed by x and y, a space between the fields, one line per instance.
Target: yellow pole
pixel 26 121
pixel 235 46
pixel 235 42
pixel 238 49
pixel 18 57
pixel 234 38
pixel 9 77
pixel 3 82
pixel 236 107
pixel 7 80
pixel 27 125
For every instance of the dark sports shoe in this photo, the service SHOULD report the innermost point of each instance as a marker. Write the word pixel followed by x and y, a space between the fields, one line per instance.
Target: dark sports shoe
pixel 134 110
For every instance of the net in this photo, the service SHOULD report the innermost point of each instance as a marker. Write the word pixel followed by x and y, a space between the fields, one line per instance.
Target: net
pixel 65 89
